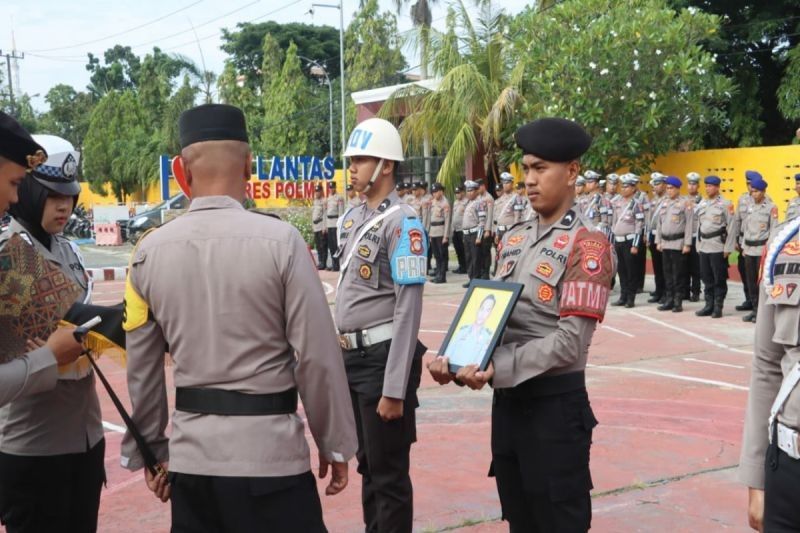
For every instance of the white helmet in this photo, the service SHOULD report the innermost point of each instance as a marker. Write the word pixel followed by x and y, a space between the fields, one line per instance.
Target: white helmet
pixel 375 137
pixel 693 176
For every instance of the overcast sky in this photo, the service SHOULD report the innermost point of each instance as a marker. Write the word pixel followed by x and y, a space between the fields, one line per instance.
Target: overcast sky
pixel 56 35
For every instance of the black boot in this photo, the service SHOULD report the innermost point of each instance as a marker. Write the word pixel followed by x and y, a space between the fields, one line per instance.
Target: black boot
pixel 747 305
pixel 707 309
pixel 622 300
pixel 717 312
pixel 750 317
pixel 631 300
pixel 667 303
pixel 654 298
pixel 677 307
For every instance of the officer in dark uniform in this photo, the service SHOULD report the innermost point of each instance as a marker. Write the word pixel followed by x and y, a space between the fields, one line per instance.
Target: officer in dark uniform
pixel 541 418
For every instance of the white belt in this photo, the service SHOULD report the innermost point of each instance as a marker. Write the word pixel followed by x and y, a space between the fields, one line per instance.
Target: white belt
pixel 788 441
pixel 473 230
pixel 369 337
pixel 503 228
pixel 623 238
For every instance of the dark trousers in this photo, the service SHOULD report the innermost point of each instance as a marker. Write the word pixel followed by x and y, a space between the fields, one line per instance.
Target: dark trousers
pixel 781 512
pixel 57 493
pixel 628 270
pixel 641 262
pixel 751 266
pixel 658 269
pixel 485 257
pixel 458 244
pixel 675 274
pixel 440 254
pixel 743 276
pixel 333 246
pixel 430 253
pixel 693 274
pixel 471 253
pixel 714 270
pixel 321 244
pixel 210 504
pixel 540 461
pixel 383 447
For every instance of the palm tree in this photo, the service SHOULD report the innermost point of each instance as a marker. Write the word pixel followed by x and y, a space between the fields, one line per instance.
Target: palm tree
pixel 466 117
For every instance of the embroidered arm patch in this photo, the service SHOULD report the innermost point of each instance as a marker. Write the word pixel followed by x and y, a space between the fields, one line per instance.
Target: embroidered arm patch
pixel 410 257
pixel 587 279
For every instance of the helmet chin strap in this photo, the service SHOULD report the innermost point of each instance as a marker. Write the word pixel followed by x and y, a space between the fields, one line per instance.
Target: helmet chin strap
pixel 375 174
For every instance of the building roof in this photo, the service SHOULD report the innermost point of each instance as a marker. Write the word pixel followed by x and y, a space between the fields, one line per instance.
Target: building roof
pixel 381 94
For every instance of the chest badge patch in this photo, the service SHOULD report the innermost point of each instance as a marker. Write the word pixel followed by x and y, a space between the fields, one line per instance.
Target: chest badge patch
pixel 515 240
pixel 365 272
pixel 364 251
pixel 545 293
pixel 544 269
pixel 415 236
pixel 777 290
pixel 561 242
pixel 506 269
pixel 348 224
pixel 377 226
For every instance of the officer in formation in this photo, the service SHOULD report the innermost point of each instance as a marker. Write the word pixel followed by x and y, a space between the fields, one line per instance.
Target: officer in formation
pixel 36 371
pixel 51 443
pixel 320 227
pixel 377 313
pixel 441 231
pixel 475 216
pixel 793 209
pixel 459 205
pixel 674 240
pixel 715 217
pixel 770 458
pixel 353 198
pixel 334 208
pixel 400 189
pixel 237 455
pixel 506 213
pixel 641 259
pixel 597 208
pixel 742 205
pixel 626 228
pixel 756 225
pixel 611 190
pixel 580 197
pixel 523 203
pixel 542 422
pixel 659 195
pixel 693 267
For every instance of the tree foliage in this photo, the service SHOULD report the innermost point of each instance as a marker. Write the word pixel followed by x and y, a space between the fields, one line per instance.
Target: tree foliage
pixel 69 113
pixel 283 100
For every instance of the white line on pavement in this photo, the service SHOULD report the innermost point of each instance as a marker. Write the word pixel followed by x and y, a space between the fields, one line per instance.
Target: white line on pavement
pixel 113 427
pixel 689 333
pixel 711 362
pixel 615 330
pixel 723 384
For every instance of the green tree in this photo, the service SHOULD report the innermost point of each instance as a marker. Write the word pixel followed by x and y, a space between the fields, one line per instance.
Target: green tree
pixel 233 92
pixel 282 101
pixel 69 113
pixel 120 70
pixel 633 72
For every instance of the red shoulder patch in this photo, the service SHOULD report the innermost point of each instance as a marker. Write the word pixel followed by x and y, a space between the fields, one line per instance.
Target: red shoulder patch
pixel 587 279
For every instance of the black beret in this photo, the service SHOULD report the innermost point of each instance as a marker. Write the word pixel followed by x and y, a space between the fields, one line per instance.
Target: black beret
pixel 520 185
pixel 553 139
pixel 17 145
pixel 212 122
pixel 332 185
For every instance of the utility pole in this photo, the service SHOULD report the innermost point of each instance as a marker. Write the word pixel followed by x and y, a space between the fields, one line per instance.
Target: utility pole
pixel 9 57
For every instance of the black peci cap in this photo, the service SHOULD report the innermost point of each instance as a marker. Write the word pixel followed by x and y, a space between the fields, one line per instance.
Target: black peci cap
pixel 17 145
pixel 212 122
pixel 553 139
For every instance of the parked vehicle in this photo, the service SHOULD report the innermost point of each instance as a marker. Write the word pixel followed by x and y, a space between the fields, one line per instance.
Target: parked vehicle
pixel 152 218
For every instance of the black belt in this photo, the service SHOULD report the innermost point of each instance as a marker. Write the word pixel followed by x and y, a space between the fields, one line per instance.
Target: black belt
pixel 437 223
pixel 672 237
pixel 234 403
pixel 333 216
pixel 545 386
pixel 719 232
pixel 755 243
pixel 316 221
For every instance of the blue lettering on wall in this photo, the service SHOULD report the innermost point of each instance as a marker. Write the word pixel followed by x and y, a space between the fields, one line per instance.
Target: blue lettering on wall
pixel 316 169
pixel 261 168
pixel 330 164
pixel 276 172
pixel 291 168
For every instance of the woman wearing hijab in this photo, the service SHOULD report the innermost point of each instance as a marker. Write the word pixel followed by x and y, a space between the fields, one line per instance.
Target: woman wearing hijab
pixel 51 444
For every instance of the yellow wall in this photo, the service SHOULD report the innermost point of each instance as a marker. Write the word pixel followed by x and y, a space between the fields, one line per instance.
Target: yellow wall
pixel 152 195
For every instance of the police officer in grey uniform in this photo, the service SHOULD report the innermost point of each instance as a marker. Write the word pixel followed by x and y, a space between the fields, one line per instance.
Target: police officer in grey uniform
pixel 242 352
pixel 755 227
pixel 693 266
pixel 474 229
pixel 626 229
pixel 770 457
pixel 377 312
pixel 522 205
pixel 715 217
pixel 353 198
pixel 674 239
pixel 441 231
pixel 334 208
pixel 793 208
pixel 542 421
pixel 51 444
pixel 659 195
pixel 505 214
pixel 459 204
pixel 597 207
pixel 35 371
pixel 742 206
pixel 320 227
pixel 486 244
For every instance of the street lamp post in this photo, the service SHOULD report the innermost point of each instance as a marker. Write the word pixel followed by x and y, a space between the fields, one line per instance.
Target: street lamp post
pixel 330 96
pixel 341 67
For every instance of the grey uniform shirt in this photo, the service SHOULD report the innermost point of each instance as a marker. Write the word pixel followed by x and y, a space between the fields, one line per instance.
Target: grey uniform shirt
pixel 505 213
pixel 674 228
pixel 758 224
pixel 628 219
pixel 475 215
pixel 696 199
pixel 566 269
pixel 793 208
pixel 64 418
pixel 488 202
pixel 237 298
pixel 355 201
pixel 458 214
pixel 318 222
pixel 657 204
pixel 334 208
pixel 776 350
pixel 367 295
pixel 440 219
pixel 714 216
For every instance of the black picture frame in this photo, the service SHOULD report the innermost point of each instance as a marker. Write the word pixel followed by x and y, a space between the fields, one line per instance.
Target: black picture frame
pixel 476 289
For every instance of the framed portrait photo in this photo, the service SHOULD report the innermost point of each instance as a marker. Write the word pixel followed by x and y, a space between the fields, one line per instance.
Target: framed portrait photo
pixel 479 323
